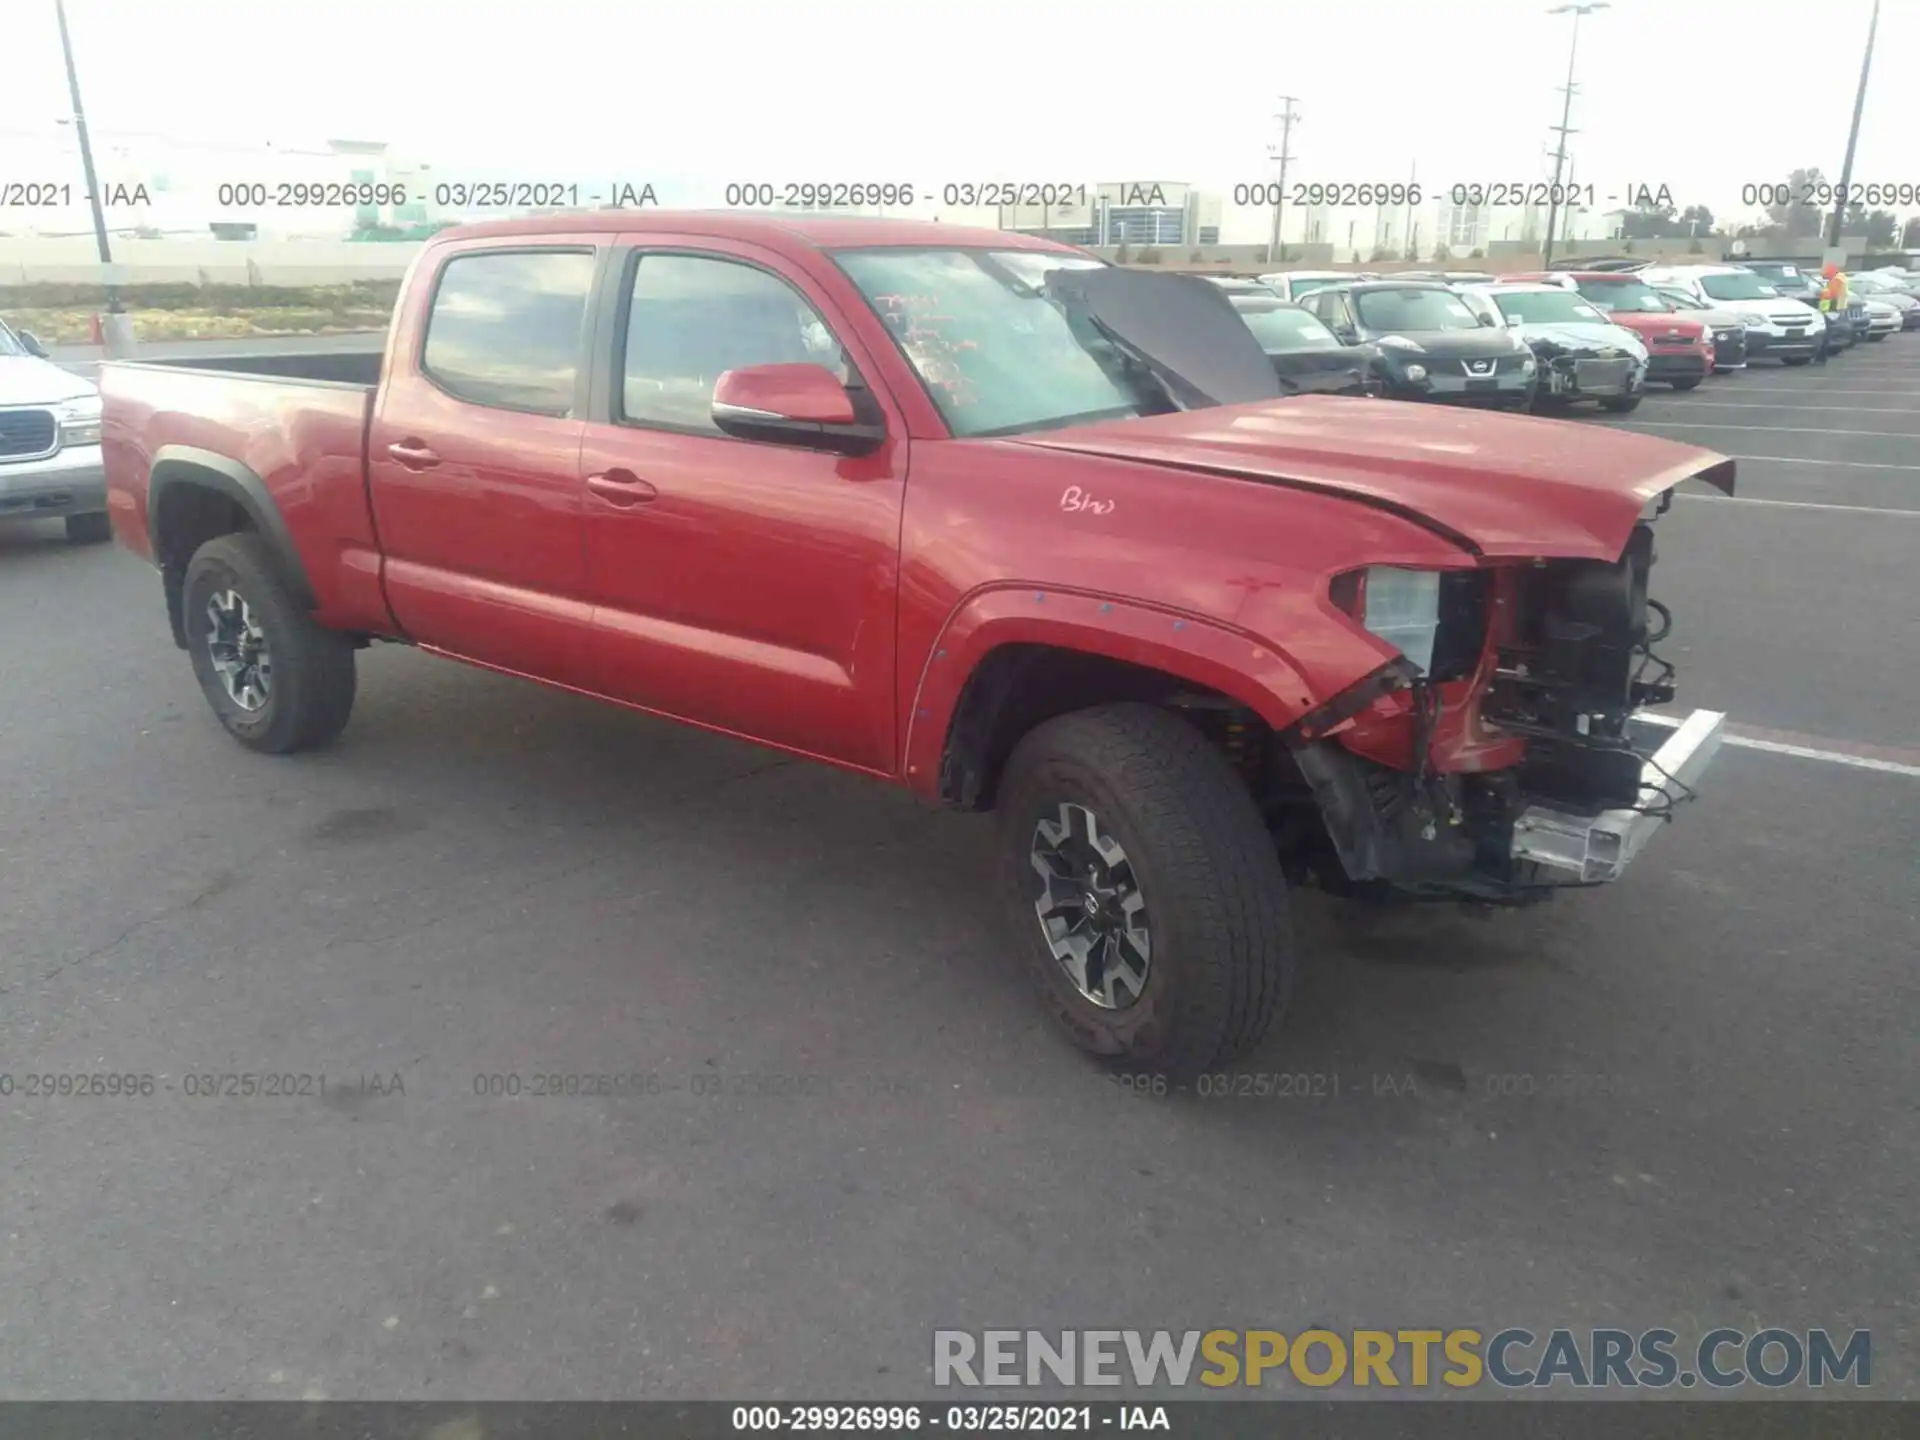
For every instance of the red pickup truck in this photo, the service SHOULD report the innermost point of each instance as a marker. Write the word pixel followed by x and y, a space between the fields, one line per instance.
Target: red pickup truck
pixel 969 512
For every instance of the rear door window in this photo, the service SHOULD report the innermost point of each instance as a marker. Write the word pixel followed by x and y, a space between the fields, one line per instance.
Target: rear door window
pixel 506 328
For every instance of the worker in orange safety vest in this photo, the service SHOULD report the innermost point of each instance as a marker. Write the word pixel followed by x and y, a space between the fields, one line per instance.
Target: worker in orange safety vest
pixel 1833 303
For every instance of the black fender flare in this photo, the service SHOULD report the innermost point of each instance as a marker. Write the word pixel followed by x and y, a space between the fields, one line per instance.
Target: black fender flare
pixel 189 465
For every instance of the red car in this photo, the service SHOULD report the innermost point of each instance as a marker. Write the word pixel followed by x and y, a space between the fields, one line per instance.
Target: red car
pixel 970 513
pixel 1679 350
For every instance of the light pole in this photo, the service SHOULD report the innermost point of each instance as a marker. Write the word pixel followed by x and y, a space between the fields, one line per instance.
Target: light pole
pixel 1286 118
pixel 1853 134
pixel 1587 7
pixel 86 162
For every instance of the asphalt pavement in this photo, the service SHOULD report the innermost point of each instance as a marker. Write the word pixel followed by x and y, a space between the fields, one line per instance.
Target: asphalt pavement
pixel 1683 1100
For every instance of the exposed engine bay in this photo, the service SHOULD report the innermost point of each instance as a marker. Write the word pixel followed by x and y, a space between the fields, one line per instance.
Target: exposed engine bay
pixel 1561 653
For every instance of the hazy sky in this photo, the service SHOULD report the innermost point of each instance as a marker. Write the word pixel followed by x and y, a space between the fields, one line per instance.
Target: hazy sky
pixel 1690 93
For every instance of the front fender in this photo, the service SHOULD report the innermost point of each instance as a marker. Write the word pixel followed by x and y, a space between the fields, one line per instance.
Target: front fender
pixel 1206 653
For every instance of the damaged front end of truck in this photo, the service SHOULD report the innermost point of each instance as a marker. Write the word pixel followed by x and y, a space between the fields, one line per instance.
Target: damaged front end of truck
pixel 1506 752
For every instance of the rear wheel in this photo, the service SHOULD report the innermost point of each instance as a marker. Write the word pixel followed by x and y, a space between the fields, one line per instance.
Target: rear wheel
pixel 89 529
pixel 1795 359
pixel 1685 384
pixel 1621 404
pixel 1144 891
pixel 277 681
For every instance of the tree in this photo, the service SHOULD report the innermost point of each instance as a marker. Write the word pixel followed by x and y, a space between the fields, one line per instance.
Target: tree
pixel 1651 221
pixel 1698 219
pixel 1792 212
pixel 1910 237
pixel 1879 226
pixel 1123 254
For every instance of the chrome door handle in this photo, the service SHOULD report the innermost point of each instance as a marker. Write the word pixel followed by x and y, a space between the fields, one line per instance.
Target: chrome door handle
pixel 621 487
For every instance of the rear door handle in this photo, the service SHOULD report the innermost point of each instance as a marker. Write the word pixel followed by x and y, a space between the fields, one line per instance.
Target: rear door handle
pixel 621 487
pixel 413 454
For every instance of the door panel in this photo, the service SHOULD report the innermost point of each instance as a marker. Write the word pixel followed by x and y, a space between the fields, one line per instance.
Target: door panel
pixel 476 493
pixel 754 588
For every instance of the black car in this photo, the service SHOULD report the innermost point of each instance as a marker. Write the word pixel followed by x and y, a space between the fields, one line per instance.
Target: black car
pixel 1622 263
pixel 1787 277
pixel 1306 355
pixel 1238 285
pixel 1428 345
pixel 1449 277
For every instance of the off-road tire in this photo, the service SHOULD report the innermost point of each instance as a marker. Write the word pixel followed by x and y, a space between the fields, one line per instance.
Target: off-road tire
pixel 1621 404
pixel 312 689
pixel 89 529
pixel 1221 942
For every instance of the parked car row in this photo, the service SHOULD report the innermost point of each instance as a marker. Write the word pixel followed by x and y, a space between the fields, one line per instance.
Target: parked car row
pixel 1556 337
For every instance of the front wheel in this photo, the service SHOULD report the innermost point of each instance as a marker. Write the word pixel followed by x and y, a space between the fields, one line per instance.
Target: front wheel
pixel 277 681
pixel 1144 891
pixel 1795 359
pixel 1621 404
pixel 1685 384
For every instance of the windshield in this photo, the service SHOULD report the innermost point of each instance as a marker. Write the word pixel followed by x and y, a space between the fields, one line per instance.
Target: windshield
pixel 996 357
pixel 9 345
pixel 1743 286
pixel 1301 285
pixel 1400 310
pixel 1283 328
pixel 1548 307
pixel 1634 297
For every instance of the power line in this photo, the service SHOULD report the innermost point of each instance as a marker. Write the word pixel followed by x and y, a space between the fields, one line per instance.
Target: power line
pixel 1853 133
pixel 1564 128
pixel 1286 117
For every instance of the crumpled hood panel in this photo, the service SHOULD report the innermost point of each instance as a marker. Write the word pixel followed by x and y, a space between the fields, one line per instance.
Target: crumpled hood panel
pixel 1499 485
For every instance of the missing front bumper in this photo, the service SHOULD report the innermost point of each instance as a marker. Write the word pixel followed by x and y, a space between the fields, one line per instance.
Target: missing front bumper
pixel 1596 848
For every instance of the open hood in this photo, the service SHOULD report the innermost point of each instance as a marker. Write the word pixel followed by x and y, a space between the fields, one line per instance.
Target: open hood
pixel 1180 327
pixel 1497 485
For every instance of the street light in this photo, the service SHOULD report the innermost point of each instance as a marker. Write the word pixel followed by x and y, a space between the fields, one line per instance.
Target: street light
pixel 86 161
pixel 1853 133
pixel 1566 114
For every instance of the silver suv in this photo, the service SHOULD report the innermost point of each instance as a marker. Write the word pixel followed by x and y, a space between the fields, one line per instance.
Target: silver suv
pixel 49 441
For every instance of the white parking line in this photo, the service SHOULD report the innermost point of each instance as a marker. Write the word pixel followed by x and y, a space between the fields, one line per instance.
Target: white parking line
pixel 1799 505
pixel 1809 460
pixel 1823 409
pixel 1778 429
pixel 1799 752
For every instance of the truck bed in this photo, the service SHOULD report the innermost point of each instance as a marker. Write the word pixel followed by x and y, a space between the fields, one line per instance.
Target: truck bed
pixel 283 437
pixel 344 366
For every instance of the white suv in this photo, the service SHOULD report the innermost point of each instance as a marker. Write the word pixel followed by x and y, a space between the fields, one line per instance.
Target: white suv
pixel 1785 329
pixel 49 442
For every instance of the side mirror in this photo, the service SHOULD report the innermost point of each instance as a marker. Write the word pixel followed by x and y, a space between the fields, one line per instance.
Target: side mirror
pixel 800 405
pixel 32 343
pixel 1486 319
